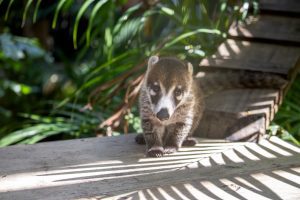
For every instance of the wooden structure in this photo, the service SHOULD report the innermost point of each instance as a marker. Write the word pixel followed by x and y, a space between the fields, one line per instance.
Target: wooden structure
pixel 116 168
pixel 270 44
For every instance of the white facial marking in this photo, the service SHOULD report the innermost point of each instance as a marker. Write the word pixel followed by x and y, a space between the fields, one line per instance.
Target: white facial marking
pixel 166 101
pixel 152 93
pixel 179 97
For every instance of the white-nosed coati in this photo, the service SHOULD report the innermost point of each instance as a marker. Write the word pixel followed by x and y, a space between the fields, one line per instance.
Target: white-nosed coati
pixel 171 101
pixel 170 106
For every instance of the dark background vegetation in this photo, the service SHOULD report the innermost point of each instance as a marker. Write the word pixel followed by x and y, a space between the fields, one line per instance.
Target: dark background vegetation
pixel 72 68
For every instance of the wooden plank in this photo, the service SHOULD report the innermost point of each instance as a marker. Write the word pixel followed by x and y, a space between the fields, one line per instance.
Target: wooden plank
pixel 268 27
pixel 254 56
pixel 115 167
pixel 287 6
pixel 239 114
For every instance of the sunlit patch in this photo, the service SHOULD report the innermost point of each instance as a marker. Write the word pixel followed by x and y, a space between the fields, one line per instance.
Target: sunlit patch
pixel 284 144
pixel 213 188
pixel 231 155
pixel 289 176
pixel 247 183
pixel 257 149
pixel 274 148
pixel 195 192
pixel 164 193
pixel 240 190
pixel 246 153
pixel 277 186
pixel 179 193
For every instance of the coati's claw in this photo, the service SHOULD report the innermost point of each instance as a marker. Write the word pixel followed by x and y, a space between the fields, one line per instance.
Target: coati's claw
pixel 155 152
pixel 169 150
pixel 189 142
pixel 139 139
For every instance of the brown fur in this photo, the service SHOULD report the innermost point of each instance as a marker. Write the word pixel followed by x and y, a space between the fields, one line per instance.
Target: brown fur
pixel 166 137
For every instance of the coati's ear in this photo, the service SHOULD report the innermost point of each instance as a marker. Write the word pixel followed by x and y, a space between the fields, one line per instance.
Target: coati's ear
pixel 190 68
pixel 152 61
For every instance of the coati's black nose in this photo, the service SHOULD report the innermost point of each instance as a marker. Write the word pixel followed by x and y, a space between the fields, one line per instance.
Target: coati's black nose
pixel 163 114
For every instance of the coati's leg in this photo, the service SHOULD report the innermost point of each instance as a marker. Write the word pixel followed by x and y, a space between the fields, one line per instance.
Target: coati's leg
pixel 139 139
pixel 153 138
pixel 175 136
pixel 189 142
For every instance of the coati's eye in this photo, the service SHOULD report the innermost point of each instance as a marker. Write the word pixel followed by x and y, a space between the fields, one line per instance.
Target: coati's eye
pixel 154 89
pixel 178 92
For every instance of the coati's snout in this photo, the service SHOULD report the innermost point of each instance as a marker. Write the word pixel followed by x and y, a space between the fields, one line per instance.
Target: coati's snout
pixel 163 114
pixel 168 83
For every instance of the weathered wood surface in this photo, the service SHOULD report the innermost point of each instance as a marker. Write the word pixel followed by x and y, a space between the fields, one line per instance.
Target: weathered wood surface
pixel 270 27
pixel 239 114
pixel 116 168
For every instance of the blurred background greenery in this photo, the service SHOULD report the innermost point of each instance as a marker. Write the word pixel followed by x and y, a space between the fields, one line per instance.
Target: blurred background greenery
pixel 72 68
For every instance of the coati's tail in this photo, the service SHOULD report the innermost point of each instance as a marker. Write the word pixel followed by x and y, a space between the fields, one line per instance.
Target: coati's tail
pixel 217 80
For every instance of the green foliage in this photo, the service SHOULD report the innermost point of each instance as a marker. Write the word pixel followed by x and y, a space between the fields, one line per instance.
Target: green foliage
pixel 68 121
pixel 113 43
pixel 288 116
pixel 22 62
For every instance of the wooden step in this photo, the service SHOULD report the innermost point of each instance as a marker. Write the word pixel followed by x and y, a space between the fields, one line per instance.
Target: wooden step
pixel 269 28
pixel 239 114
pixel 284 6
pixel 244 114
pixel 253 56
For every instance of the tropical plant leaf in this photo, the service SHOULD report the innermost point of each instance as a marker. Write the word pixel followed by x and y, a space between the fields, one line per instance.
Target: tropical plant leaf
pixel 57 10
pixel 8 9
pixel 95 10
pixel 36 9
pixel 81 11
pixel 25 133
pixel 29 2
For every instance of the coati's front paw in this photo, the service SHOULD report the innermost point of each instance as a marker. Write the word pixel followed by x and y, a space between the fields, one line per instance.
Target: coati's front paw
pixel 169 149
pixel 155 152
pixel 189 142
pixel 139 139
